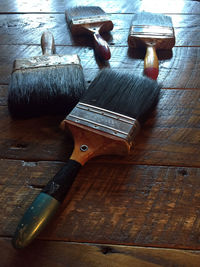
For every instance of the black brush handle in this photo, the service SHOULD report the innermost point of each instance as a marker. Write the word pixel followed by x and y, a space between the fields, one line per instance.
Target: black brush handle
pixel 101 47
pixel 47 43
pixel 45 205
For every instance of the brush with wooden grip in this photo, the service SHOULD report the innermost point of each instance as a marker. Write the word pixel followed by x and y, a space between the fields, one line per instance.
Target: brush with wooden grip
pixel 93 21
pixel 46 84
pixel 152 31
pixel 105 121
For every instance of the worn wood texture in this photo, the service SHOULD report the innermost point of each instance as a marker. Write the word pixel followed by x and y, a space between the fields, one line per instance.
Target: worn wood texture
pixel 27 29
pixel 138 210
pixel 62 254
pixel 112 6
pixel 139 205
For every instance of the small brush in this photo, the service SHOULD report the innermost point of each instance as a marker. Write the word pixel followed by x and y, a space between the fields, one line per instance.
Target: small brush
pixel 91 20
pixel 47 84
pixel 105 121
pixel 153 31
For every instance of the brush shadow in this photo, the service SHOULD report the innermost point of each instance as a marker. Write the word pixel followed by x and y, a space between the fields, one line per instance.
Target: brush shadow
pixel 139 53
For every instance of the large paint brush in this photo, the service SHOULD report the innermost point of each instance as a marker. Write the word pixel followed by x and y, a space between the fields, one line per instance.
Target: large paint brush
pixel 153 31
pixel 91 20
pixel 105 121
pixel 46 84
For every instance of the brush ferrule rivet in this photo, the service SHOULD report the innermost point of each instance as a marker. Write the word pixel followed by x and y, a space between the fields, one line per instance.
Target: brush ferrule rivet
pixel 83 148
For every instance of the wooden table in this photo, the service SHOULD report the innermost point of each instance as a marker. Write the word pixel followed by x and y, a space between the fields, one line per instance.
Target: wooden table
pixel 140 210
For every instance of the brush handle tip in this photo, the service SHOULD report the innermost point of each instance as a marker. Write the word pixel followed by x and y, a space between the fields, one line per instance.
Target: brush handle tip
pixel 34 220
pixel 47 43
pixel 151 72
pixel 151 64
pixel 45 205
pixel 101 47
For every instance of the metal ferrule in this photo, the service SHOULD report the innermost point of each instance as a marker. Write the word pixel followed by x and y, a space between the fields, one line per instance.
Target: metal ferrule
pixel 46 61
pixel 90 20
pixel 152 31
pixel 105 121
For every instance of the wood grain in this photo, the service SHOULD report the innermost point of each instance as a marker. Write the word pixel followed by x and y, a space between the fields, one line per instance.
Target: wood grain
pixel 27 29
pixel 138 210
pixel 125 6
pixel 60 254
pixel 110 203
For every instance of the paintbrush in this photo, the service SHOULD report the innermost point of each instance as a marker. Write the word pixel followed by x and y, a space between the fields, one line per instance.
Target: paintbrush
pixel 105 121
pixel 153 31
pixel 47 84
pixel 93 21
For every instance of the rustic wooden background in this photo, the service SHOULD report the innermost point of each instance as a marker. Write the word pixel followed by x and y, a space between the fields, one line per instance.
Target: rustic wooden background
pixel 140 210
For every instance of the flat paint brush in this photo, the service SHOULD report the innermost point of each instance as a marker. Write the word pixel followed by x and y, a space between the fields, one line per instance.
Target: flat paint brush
pixel 105 121
pixel 153 31
pixel 47 84
pixel 91 20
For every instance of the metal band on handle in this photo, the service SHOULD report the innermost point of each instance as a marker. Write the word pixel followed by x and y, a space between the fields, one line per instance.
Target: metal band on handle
pixel 105 120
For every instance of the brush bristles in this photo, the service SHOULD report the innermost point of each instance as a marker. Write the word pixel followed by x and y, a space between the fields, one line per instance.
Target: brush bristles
pixel 123 93
pixel 83 11
pixel 151 19
pixel 46 90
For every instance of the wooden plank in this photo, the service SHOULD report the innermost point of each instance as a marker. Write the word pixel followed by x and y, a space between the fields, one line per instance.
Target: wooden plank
pixel 177 69
pixel 61 254
pixel 110 203
pixel 148 199
pixel 27 29
pixel 169 137
pixel 125 6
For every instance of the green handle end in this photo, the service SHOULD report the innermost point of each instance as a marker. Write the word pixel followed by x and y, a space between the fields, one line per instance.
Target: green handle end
pixel 35 219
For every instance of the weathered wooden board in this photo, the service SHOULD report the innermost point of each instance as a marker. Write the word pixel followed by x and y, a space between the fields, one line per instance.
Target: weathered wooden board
pixel 125 6
pixel 27 29
pixel 110 203
pixel 149 198
pixel 62 254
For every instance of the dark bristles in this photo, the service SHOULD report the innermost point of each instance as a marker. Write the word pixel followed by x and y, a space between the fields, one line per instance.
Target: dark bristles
pixel 123 93
pixel 46 90
pixel 151 19
pixel 83 11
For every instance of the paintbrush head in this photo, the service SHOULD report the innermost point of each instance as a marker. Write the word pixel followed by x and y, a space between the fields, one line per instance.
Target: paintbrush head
pixel 45 90
pixel 151 28
pixel 114 106
pixel 152 19
pixel 84 19
pixel 123 93
pixel 83 11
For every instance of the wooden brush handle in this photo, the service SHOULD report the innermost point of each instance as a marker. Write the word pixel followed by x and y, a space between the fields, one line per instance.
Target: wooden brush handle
pixel 47 43
pixel 88 144
pixel 101 47
pixel 45 205
pixel 151 64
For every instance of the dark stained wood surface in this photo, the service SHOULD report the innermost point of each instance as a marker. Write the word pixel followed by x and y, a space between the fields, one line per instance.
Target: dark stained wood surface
pixel 84 255
pixel 138 210
pixel 125 6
